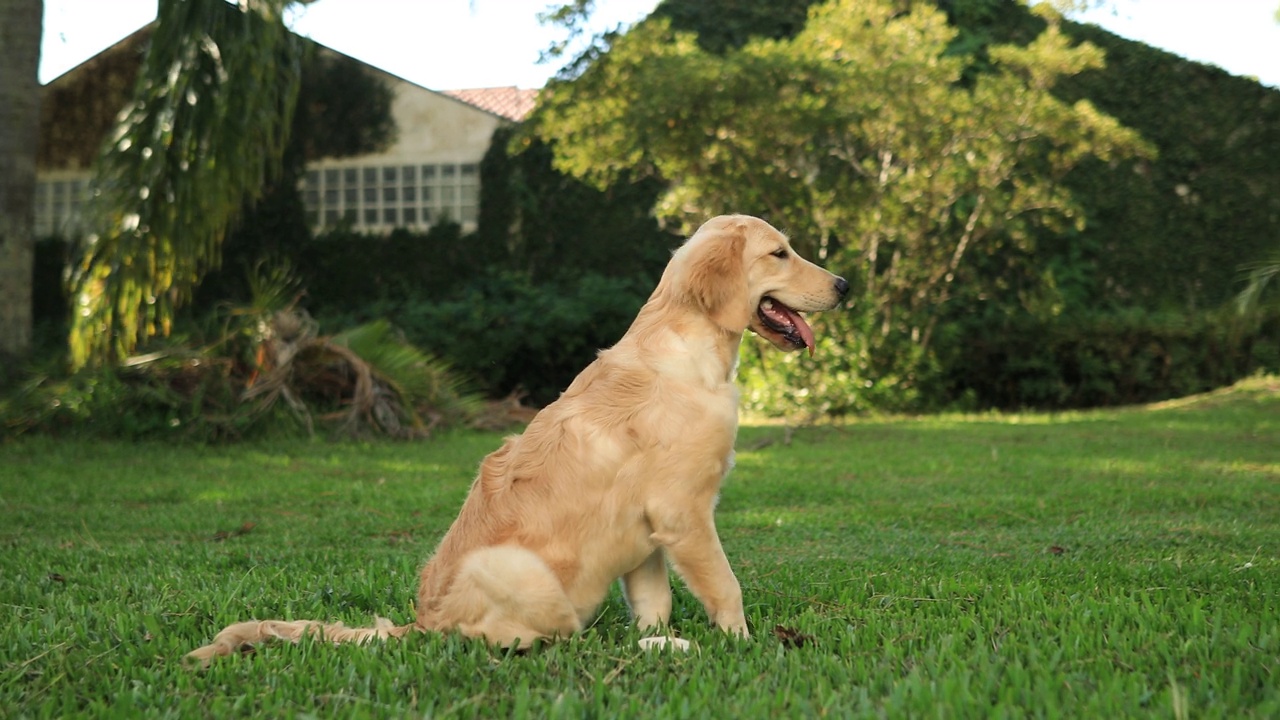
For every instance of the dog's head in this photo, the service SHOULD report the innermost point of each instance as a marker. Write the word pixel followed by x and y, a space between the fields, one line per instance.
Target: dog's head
pixel 742 273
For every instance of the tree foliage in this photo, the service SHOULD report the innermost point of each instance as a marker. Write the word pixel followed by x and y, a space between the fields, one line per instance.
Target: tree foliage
pixel 861 135
pixel 206 129
pixel 1170 234
pixel 342 110
pixel 546 224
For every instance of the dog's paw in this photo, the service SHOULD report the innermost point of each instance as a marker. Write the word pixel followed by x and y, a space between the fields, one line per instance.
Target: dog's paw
pixel 663 642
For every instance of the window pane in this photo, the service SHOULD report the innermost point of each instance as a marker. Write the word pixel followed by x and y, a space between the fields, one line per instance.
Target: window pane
pixel 331 176
pixel 388 174
pixel 370 217
pixel 371 177
pixel 313 179
pixel 410 216
pixel 350 196
pixel 426 216
pixel 426 194
pixel 388 195
pixel 330 217
pixel 331 197
pixel 447 194
pixel 448 170
pixel 350 176
pixel 59 189
pixel 470 169
pixel 428 172
pixel 389 216
pixel 408 174
pixel 410 194
pixel 370 196
pixel 469 194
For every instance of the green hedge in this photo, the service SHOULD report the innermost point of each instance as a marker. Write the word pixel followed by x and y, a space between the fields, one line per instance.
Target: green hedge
pixel 508 333
pixel 1117 358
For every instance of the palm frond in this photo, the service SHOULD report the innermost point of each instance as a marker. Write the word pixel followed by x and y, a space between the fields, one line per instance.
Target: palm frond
pixel 366 378
pixel 1257 277
pixel 207 127
pixel 425 381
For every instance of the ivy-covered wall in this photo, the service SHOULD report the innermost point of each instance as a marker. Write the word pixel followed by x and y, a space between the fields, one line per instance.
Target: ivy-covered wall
pixel 1170 233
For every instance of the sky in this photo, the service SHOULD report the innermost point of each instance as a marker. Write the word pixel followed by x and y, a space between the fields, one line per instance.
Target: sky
pixel 455 44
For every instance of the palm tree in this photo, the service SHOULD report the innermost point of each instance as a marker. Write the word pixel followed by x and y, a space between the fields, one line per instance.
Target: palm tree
pixel 204 132
pixel 20 30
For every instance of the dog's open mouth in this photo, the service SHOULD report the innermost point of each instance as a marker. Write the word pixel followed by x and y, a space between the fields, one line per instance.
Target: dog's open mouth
pixel 783 326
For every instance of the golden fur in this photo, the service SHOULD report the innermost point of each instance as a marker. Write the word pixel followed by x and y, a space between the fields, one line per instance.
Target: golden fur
pixel 620 475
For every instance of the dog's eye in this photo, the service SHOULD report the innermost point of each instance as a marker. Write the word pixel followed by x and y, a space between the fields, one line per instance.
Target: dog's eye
pixel 780 253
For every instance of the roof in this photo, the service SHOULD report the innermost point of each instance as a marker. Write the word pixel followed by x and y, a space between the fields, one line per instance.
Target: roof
pixel 509 102
pixel 79 107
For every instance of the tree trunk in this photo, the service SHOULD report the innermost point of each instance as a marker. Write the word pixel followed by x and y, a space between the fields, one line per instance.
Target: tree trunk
pixel 20 32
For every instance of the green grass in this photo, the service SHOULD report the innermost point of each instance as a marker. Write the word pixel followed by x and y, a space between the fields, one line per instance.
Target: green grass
pixel 1101 564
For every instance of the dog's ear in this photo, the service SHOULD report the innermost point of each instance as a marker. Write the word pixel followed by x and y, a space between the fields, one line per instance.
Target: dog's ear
pixel 716 279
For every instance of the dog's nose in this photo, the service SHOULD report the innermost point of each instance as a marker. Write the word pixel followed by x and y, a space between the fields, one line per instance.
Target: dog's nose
pixel 842 287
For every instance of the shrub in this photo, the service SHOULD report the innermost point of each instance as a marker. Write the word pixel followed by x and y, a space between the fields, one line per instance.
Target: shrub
pixel 362 381
pixel 176 394
pixel 853 370
pixel 259 368
pixel 511 334
pixel 1122 357
pixel 1020 362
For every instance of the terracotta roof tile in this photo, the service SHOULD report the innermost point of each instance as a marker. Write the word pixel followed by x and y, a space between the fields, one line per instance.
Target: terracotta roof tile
pixel 509 102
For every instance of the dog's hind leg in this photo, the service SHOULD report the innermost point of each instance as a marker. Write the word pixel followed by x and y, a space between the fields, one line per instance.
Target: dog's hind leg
pixel 509 596
pixel 647 590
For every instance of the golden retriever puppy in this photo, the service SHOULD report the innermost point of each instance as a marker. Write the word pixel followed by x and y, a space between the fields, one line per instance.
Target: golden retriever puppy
pixel 618 477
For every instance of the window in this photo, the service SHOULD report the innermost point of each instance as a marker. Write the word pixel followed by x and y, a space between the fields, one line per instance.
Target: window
pixel 380 197
pixel 58 204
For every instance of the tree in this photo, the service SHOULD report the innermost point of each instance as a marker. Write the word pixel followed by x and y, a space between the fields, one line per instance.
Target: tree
pixel 20 30
pixel 204 133
pixel 868 136
pixel 858 135
pixel 342 110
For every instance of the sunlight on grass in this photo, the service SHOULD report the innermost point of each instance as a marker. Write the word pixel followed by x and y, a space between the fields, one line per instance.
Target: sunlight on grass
pixel 1236 467
pixel 212 496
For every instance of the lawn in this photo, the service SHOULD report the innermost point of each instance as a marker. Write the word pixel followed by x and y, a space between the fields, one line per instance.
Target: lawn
pixel 1101 564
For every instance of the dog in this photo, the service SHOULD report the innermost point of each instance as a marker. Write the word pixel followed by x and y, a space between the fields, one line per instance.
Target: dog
pixel 620 476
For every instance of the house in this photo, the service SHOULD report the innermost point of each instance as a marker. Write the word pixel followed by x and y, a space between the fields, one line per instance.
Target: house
pixel 431 171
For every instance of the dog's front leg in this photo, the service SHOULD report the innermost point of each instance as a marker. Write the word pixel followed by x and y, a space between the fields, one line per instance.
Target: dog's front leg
pixel 691 542
pixel 647 590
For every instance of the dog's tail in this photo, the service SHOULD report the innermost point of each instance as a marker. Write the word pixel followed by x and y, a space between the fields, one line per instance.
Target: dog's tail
pixel 237 636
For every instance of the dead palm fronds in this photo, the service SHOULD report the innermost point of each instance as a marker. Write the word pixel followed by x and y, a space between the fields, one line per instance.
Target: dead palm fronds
pixel 364 379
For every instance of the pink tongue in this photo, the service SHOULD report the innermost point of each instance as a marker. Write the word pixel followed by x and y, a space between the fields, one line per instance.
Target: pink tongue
pixel 802 327
pixel 806 332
